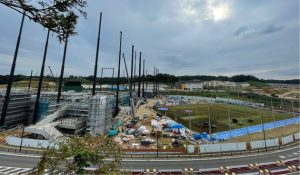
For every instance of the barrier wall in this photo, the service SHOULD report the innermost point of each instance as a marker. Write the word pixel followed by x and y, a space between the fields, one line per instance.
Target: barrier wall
pixel 253 129
pixel 16 141
pixel 287 139
pixel 208 148
pixel 297 136
pixel 261 143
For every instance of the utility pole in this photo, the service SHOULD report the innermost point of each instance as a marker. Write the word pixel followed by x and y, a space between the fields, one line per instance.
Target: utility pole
pixel 157 82
pixel 283 109
pixel 100 79
pixel 12 71
pixel 97 54
pixel 118 79
pixel 209 120
pixel 273 116
pixel 146 80
pixel 37 100
pixel 154 89
pixel 229 119
pixel 62 70
pixel 29 84
pixel 140 64
pixel 143 89
pixel 134 79
pixel 131 72
pixel 263 125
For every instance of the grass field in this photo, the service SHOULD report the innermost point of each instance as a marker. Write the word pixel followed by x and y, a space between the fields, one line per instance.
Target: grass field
pixel 245 96
pixel 219 116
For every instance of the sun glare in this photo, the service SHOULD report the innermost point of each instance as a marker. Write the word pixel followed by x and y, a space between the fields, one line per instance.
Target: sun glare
pixel 211 11
pixel 220 12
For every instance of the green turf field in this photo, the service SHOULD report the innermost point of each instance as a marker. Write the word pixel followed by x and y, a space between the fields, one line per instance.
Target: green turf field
pixel 219 116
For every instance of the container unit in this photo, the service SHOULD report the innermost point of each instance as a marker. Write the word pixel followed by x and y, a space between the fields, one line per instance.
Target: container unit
pixel 19 108
pixel 101 110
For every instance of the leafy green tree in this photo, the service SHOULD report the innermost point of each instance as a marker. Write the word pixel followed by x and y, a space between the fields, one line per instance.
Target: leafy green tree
pixel 60 16
pixel 75 153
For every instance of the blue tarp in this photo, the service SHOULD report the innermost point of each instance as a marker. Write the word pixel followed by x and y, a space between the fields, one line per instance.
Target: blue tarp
pixel 204 135
pixel 163 109
pixel 253 129
pixel 197 136
pixel 177 126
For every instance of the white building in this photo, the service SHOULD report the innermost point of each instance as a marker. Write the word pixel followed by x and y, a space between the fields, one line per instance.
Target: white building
pixel 215 83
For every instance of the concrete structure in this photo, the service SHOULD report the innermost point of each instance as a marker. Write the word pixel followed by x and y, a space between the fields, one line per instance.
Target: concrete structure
pixel 101 110
pixel 19 108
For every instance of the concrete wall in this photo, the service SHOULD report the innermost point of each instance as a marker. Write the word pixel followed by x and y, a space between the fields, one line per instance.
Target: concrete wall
pixel 16 141
pixel 261 143
pixel 297 136
pixel 205 148
pixel 287 139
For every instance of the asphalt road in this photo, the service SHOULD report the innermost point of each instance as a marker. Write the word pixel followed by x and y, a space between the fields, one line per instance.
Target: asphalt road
pixel 22 161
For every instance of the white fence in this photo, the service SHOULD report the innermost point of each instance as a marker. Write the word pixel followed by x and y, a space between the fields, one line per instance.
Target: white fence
pixel 261 143
pixel 287 139
pixel 16 141
pixel 222 147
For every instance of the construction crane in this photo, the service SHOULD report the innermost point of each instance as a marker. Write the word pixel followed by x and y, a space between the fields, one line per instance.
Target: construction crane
pixel 53 77
pixel 131 99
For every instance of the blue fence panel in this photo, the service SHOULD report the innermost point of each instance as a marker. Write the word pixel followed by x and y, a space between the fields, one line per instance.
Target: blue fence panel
pixel 253 129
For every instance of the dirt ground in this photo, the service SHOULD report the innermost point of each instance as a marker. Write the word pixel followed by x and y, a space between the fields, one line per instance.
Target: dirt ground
pixel 274 133
pixel 4 134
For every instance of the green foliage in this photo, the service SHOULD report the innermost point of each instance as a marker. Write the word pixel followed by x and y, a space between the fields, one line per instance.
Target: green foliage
pixel 76 153
pixel 243 78
pixel 258 84
pixel 57 15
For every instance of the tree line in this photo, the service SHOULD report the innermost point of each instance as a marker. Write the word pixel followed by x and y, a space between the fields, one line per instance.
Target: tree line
pixel 163 78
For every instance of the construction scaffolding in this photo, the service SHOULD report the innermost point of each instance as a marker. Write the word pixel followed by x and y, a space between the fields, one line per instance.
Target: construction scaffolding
pixel 19 108
pixel 101 110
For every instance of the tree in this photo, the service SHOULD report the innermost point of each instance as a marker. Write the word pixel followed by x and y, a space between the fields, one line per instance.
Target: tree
pixel 57 15
pixel 73 154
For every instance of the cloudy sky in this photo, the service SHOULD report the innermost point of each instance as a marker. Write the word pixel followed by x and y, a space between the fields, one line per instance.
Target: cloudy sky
pixel 181 37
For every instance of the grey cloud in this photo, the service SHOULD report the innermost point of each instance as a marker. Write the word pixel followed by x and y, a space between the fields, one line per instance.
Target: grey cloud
pixel 246 31
pixel 167 37
pixel 272 28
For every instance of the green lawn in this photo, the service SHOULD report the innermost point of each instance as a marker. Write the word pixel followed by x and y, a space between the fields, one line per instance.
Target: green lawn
pixel 219 116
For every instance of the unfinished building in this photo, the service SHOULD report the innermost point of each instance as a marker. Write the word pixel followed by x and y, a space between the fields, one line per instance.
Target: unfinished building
pixel 19 108
pixel 101 110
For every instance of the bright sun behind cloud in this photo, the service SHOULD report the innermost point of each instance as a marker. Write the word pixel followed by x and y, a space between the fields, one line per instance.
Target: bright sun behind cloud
pixel 211 11
pixel 220 12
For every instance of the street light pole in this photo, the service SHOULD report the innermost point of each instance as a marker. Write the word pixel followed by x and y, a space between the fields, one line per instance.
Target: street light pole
pixel 22 135
pixel 209 121
pixel 229 120
pixel 156 144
